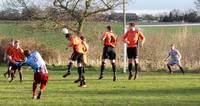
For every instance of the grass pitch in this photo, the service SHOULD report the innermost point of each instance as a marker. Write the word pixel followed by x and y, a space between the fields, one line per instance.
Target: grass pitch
pixel 152 89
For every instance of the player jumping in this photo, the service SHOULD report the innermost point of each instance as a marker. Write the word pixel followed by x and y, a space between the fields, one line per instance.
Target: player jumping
pixel 110 41
pixel 79 49
pixel 131 38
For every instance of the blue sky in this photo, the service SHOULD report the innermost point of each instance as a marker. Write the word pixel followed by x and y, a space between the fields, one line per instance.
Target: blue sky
pixel 161 4
pixel 158 6
pixel 153 6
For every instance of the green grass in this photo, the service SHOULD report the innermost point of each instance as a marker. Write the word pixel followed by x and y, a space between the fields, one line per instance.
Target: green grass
pixel 92 31
pixel 153 89
pixel 24 30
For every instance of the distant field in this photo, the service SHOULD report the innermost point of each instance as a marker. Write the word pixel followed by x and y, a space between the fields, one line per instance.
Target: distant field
pixel 152 89
pixel 155 49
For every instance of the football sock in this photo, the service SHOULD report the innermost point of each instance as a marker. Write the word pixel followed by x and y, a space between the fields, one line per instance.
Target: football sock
pixel 170 70
pixel 182 70
pixel 79 72
pixel 102 67
pixel 130 65
pixel 20 75
pixel 114 69
pixel 136 68
pixel 69 67
pixel 34 88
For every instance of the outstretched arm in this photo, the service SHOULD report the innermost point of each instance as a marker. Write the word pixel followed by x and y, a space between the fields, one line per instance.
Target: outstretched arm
pixel 103 36
pixel 5 56
pixel 141 36
pixel 166 58
pixel 22 63
pixel 179 55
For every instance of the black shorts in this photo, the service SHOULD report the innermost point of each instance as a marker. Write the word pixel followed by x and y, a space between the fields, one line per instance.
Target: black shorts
pixel 109 53
pixel 77 57
pixel 132 53
pixel 14 66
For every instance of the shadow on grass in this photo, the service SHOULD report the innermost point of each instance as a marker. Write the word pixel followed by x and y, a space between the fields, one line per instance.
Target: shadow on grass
pixel 129 92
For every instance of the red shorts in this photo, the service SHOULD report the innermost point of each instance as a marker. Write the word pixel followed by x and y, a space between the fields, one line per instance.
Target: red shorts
pixel 40 78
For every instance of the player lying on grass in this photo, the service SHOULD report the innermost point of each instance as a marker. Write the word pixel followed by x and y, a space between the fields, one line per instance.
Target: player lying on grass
pixel 131 38
pixel 35 60
pixel 16 55
pixel 110 41
pixel 7 52
pixel 175 59
pixel 79 49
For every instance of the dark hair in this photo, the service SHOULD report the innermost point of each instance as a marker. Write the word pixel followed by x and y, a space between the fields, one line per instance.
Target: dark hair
pixel 12 40
pixel 132 24
pixel 16 41
pixel 172 44
pixel 68 35
pixel 27 53
pixel 109 28
pixel 82 37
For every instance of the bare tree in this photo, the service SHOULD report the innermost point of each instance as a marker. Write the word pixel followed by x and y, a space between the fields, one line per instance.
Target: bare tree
pixel 29 9
pixel 80 10
pixel 19 4
pixel 197 3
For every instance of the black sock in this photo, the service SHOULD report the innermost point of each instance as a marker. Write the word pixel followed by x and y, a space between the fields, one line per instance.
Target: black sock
pixel 130 65
pixel 83 79
pixel 102 67
pixel 170 70
pixel 136 68
pixel 20 75
pixel 79 72
pixel 182 70
pixel 69 67
pixel 83 70
pixel 114 69
pixel 81 75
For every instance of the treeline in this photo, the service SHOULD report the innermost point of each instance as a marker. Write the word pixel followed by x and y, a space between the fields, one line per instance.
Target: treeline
pixel 35 13
pixel 178 16
pixel 172 16
pixel 31 13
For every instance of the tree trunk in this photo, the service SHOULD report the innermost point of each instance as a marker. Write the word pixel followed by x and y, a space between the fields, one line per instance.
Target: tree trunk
pixel 80 25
